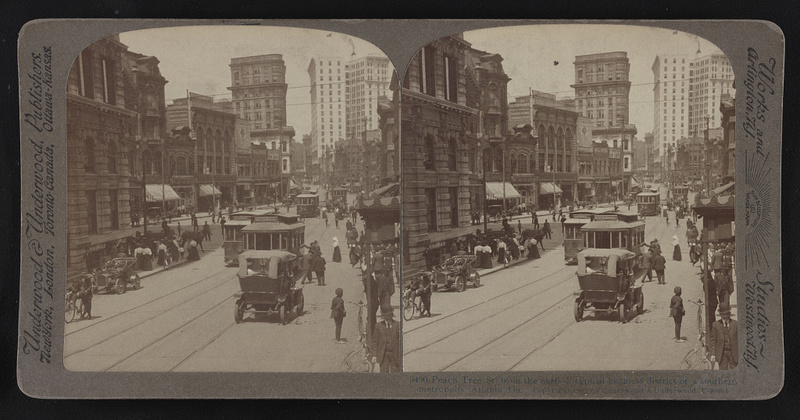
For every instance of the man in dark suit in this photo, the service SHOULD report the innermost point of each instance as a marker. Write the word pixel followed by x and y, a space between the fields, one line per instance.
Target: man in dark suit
pixel 724 339
pixel 385 347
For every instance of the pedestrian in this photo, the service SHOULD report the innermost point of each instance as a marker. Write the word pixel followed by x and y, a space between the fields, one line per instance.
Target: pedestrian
pixel 355 255
pixel 724 339
pixel 337 253
pixel 162 254
pixel 666 216
pixel 305 267
pixel 338 313
pixel 659 265
pixel 336 220
pixel 676 250
pixel 501 252
pixel 385 348
pixel 195 224
pixel 647 264
pixel 191 249
pixel 348 226
pixel 677 312
pixel 519 226
pixel 319 268
pixel 724 287
pixel 85 295
pixel 179 228
pixel 206 231
pixel 535 221
pixel 547 231
pixel 222 222
pixel 563 219
pixel 213 217
pixel 324 215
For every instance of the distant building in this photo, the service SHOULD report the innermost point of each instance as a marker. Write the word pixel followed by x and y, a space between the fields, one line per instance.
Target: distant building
pixel 367 79
pixel 210 179
pixel 602 91
pixel 328 104
pixel 258 86
pixel 687 90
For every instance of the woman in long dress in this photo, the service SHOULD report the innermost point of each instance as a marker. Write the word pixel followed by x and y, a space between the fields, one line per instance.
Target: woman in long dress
pixel 676 252
pixel 337 253
pixel 191 248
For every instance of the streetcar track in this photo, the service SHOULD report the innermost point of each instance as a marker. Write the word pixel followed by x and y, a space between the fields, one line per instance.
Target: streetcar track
pixel 144 304
pixel 153 342
pixel 208 343
pixel 437 319
pixel 492 316
pixel 509 332
pixel 550 340
pixel 126 329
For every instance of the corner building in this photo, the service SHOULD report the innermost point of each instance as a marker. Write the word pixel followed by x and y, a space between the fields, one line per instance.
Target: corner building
pixel 436 177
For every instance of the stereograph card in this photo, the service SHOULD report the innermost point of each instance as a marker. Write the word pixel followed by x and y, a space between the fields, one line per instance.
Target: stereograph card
pixel 476 209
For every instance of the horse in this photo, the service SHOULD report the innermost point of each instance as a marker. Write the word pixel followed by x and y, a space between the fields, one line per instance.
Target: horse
pixel 187 236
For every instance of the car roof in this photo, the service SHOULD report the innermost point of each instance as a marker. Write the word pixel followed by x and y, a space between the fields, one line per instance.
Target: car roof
pixel 266 255
pixel 601 252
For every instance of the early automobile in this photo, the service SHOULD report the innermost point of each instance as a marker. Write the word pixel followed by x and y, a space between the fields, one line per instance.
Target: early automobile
pixel 607 283
pixel 115 275
pixel 268 284
pixel 455 272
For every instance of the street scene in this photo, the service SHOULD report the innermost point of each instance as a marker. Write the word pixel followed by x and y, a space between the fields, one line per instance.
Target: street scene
pixel 570 208
pixel 203 237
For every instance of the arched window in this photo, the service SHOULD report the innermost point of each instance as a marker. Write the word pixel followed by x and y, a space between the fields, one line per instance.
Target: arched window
pixel 180 166
pixel 487 159
pixel 172 165
pixel 513 162
pixel 89 163
pixel 533 164
pixel 569 139
pixel 522 163
pixel 112 156
pixel 551 135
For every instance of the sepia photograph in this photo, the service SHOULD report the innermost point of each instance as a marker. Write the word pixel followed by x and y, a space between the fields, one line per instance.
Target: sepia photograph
pixel 569 201
pixel 221 179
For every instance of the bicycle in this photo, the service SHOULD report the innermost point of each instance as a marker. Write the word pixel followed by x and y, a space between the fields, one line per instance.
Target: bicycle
pixel 410 304
pixel 359 360
pixel 70 308
pixel 697 358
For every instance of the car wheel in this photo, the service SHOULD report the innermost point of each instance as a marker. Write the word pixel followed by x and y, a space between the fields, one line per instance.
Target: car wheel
pixel 238 313
pixel 282 313
pixel 578 310
pixel 300 304
pixel 118 286
pixel 461 284
pixel 477 281
pixel 408 309
pixel 621 312
pixel 137 282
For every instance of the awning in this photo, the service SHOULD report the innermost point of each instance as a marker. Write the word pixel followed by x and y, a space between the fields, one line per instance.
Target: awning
pixel 546 188
pixel 635 182
pixel 494 191
pixel 726 189
pixel 154 193
pixel 206 190
pixel 293 184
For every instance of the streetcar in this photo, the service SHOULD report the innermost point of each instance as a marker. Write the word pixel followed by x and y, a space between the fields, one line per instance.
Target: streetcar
pixel 307 205
pixel 233 244
pixel 339 197
pixel 680 192
pixel 573 240
pixel 286 233
pixel 649 203
pixel 615 230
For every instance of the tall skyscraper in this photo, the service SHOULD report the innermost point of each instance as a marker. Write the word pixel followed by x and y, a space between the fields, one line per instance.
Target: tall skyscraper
pixel 686 90
pixel 328 110
pixel 367 80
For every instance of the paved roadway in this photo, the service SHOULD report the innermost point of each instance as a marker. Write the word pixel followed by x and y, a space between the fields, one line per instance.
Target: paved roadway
pixel 521 319
pixel 182 320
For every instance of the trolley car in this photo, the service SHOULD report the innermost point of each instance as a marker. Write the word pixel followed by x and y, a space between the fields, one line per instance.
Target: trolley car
pixel 573 240
pixel 307 205
pixel 615 230
pixel 649 203
pixel 287 233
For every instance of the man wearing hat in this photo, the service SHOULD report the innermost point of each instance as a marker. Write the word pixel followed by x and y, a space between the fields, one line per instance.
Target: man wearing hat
pixel 724 339
pixel 385 347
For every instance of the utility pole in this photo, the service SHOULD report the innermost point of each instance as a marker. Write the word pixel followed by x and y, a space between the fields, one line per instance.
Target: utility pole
pixel 708 160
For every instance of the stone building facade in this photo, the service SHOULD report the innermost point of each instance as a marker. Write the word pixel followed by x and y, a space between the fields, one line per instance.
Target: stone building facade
pixel 436 176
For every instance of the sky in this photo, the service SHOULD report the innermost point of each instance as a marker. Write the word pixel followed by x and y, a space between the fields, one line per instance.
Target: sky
pixel 529 53
pixel 197 58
